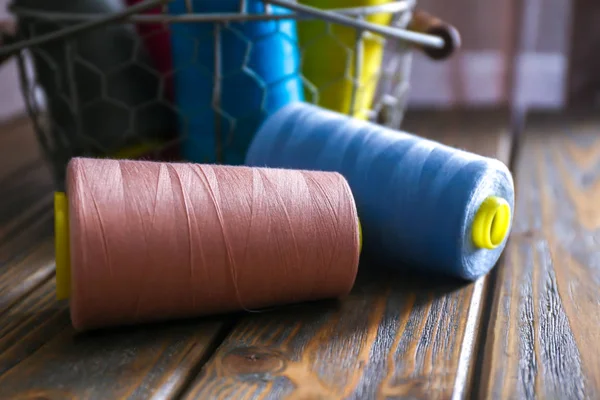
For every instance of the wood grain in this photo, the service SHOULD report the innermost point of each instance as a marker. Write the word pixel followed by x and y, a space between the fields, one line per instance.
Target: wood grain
pixel 41 355
pixel 26 249
pixel 26 255
pixel 394 336
pixel 30 264
pixel 545 325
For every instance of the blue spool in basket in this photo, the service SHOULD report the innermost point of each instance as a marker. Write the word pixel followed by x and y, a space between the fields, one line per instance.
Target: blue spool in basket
pixel 422 204
pixel 259 69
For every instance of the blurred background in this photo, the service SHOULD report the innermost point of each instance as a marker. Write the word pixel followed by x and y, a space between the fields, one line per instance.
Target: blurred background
pixel 525 54
pixel 529 52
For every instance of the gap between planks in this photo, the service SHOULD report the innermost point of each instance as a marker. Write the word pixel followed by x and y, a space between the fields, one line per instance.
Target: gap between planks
pixel 545 314
pixel 469 384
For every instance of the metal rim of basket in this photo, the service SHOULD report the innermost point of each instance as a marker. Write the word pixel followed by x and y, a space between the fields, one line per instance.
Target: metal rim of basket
pixel 392 7
pixel 351 17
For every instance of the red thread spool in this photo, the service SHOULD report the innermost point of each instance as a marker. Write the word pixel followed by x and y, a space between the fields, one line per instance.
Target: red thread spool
pixel 154 241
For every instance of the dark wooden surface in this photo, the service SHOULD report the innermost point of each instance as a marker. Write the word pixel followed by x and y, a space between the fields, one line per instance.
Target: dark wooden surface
pixel 530 329
pixel 25 214
pixel 544 333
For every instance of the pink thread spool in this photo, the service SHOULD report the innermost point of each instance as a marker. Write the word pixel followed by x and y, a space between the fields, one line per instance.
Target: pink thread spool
pixel 141 241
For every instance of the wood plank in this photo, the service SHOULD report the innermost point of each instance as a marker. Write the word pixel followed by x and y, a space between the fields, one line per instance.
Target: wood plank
pixel 27 261
pixel 18 146
pixel 26 228
pixel 41 355
pixel 544 330
pixel 394 336
pixel 26 254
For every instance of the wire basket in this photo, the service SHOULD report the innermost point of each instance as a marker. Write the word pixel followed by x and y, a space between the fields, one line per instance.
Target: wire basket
pixel 101 80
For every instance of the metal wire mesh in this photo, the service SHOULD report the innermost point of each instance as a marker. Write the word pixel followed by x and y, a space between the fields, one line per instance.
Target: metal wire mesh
pixel 102 93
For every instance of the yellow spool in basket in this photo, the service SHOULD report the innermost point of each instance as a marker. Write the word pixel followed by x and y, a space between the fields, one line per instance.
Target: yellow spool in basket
pixel 328 58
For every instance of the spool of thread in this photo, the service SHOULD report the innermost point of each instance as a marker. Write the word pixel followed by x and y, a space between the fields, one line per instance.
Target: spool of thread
pixel 422 204
pixel 158 44
pixel 426 23
pixel 100 93
pixel 259 72
pixel 141 241
pixel 334 80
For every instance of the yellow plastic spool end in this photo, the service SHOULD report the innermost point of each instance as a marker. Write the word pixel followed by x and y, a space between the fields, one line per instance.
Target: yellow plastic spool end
pixel 61 246
pixel 491 223
pixel 135 151
pixel 359 237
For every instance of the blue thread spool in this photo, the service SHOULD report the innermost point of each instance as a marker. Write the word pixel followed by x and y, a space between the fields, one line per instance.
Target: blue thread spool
pixel 260 73
pixel 422 204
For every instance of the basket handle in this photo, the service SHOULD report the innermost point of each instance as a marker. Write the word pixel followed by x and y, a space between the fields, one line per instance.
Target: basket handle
pixel 423 22
pixel 424 40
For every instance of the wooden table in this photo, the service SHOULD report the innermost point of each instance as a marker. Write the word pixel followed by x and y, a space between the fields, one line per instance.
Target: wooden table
pixel 530 329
